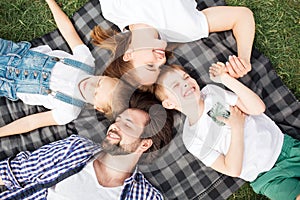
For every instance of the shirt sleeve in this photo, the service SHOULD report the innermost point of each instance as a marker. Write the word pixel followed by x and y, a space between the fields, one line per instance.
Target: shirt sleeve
pixel 64 116
pixel 210 158
pixel 83 54
pixel 45 163
pixel 229 97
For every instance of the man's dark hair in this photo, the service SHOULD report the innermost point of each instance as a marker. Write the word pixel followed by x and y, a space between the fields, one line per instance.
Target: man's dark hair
pixel 160 126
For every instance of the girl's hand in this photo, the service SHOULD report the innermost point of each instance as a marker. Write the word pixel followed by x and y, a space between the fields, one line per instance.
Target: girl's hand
pixel 216 71
pixel 237 67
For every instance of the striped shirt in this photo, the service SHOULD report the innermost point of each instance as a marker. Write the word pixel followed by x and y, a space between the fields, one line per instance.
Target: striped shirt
pixel 29 174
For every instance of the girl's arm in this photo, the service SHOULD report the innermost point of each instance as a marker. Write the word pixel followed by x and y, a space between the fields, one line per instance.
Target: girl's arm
pixel 241 21
pixel 64 25
pixel 28 123
pixel 248 101
pixel 231 163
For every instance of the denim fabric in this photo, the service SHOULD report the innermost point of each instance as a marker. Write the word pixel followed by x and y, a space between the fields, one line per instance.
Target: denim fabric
pixel 27 71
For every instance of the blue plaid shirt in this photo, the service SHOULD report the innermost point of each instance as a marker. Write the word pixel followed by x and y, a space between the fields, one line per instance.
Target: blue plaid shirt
pixel 30 174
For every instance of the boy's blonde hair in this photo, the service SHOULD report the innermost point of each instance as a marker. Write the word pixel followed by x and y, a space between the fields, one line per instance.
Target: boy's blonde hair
pixel 159 89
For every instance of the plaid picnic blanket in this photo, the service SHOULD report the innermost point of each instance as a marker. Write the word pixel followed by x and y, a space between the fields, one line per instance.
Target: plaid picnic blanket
pixel 177 173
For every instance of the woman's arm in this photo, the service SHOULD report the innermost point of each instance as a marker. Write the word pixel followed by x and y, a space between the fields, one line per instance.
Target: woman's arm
pixel 241 21
pixel 64 25
pixel 248 101
pixel 231 163
pixel 28 123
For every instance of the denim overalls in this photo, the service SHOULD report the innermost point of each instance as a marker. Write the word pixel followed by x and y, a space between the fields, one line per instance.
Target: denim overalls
pixel 27 71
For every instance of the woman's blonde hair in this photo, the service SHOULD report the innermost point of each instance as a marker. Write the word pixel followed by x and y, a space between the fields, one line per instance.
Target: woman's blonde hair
pixel 117 44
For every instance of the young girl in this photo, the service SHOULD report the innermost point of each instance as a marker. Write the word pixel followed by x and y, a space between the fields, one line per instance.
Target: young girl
pixel 148 26
pixel 59 81
pixel 218 132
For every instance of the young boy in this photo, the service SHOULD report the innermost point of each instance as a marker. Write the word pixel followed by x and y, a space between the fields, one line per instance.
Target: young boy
pixel 229 132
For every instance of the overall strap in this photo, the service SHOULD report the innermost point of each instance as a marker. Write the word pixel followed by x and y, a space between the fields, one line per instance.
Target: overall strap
pixel 76 64
pixel 68 99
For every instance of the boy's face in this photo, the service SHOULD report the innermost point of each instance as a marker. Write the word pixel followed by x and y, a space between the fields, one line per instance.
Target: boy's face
pixel 181 90
pixel 104 92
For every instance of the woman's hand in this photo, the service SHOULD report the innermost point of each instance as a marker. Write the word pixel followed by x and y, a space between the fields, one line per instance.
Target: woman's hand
pixel 237 67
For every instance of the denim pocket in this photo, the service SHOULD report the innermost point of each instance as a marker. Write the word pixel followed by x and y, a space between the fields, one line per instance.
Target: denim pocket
pixel 7 89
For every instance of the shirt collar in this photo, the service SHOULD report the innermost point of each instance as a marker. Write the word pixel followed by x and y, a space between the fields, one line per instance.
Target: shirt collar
pixel 136 176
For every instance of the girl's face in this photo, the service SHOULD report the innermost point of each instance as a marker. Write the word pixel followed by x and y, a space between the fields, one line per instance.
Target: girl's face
pixel 98 90
pixel 181 90
pixel 104 92
pixel 147 60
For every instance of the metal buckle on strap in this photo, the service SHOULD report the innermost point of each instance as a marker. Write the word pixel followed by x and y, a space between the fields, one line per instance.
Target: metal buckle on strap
pixel 50 92
pixel 56 59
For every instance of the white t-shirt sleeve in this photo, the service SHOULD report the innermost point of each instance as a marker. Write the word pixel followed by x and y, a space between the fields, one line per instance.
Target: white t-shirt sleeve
pixel 229 97
pixel 62 116
pixel 210 158
pixel 83 54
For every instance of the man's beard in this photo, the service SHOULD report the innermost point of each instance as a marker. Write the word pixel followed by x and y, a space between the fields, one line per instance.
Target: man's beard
pixel 116 149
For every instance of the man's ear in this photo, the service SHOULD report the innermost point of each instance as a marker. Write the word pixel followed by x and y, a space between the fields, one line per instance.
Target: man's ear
pixel 127 55
pixel 146 144
pixel 168 104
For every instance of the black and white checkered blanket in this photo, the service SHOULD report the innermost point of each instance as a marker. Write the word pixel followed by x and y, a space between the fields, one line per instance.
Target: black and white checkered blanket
pixel 176 173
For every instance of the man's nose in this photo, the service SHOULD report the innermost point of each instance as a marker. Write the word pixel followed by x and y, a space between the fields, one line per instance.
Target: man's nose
pixel 115 126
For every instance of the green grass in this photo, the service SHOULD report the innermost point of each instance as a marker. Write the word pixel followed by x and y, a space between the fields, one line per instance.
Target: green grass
pixel 277 36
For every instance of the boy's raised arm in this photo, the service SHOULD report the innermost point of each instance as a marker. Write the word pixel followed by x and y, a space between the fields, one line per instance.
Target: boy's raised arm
pixel 231 163
pixel 248 101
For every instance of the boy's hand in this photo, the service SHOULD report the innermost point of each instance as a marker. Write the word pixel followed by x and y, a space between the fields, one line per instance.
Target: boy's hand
pixel 237 67
pixel 216 71
pixel 236 119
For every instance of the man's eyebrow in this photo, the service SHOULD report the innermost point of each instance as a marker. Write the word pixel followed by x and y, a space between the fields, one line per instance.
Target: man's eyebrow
pixel 129 120
pixel 126 119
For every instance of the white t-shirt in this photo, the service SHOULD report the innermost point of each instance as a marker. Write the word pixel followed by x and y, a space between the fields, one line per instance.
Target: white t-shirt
pixel 83 185
pixel 64 79
pixel 176 20
pixel 207 140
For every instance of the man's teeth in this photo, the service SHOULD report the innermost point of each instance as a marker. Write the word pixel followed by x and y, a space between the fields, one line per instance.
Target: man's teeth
pixel 113 135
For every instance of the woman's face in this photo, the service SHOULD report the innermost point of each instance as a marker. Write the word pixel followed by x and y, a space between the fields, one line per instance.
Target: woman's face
pixel 147 60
